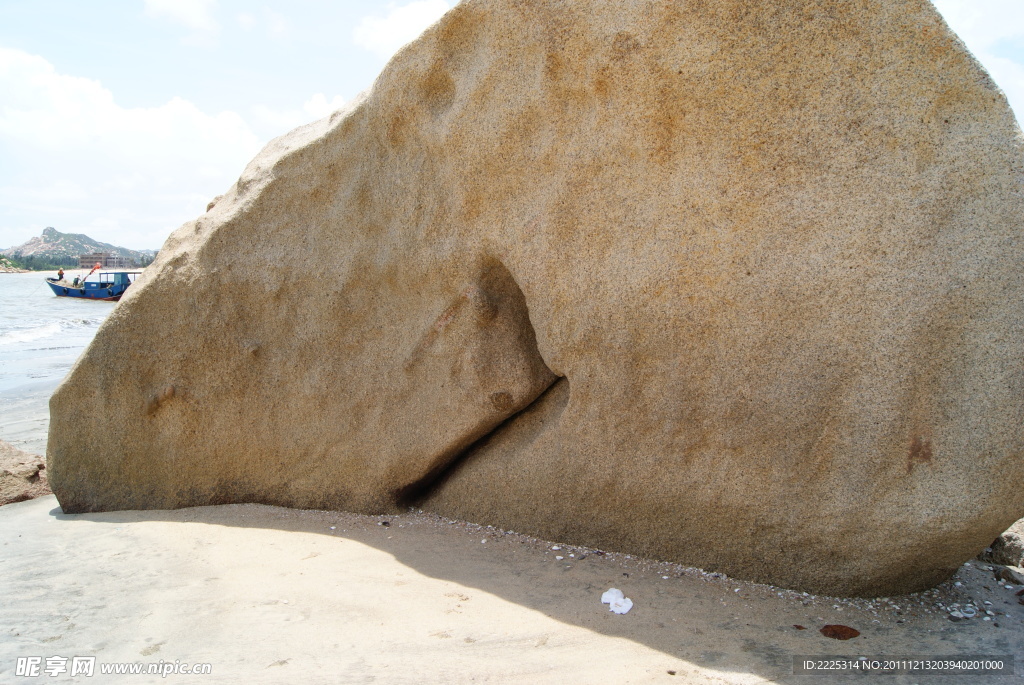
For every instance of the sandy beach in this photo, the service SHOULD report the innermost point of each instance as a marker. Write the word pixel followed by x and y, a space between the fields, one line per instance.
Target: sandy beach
pixel 270 595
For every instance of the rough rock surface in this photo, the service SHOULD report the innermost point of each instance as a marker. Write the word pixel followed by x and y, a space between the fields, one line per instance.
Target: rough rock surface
pixel 772 250
pixel 1008 548
pixel 22 475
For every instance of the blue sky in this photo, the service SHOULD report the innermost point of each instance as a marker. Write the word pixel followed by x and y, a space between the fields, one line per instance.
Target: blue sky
pixel 122 118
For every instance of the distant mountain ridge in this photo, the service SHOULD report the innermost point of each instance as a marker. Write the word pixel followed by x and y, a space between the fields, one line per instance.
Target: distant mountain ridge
pixel 53 244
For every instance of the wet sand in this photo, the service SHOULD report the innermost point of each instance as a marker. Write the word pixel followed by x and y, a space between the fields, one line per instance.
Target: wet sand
pixel 270 595
pixel 25 415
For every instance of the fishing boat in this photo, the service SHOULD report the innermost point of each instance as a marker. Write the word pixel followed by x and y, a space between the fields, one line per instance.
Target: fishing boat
pixel 108 286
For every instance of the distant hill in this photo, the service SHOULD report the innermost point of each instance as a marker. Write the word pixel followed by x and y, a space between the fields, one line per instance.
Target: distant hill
pixel 60 248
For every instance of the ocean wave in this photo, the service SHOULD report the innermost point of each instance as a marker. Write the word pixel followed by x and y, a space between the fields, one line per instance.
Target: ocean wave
pixel 48 330
pixel 54 349
pixel 29 334
pixel 85 323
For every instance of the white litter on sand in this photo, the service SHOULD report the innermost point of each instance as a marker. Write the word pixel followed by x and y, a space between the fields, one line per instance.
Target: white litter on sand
pixel 616 601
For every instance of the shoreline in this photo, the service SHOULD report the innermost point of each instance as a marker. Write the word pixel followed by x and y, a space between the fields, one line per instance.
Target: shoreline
pixel 26 415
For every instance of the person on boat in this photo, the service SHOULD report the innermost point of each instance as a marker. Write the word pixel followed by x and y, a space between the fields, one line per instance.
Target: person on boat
pixel 60 274
pixel 74 283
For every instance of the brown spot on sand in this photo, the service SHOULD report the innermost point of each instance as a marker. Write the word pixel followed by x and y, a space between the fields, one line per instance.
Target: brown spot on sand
pixel 839 632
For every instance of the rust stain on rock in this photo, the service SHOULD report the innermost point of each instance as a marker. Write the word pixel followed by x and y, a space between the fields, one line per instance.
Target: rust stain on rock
pixel 157 400
pixel 502 401
pixel 920 453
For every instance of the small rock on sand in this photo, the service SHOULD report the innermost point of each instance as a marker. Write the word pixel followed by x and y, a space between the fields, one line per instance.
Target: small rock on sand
pixel 22 475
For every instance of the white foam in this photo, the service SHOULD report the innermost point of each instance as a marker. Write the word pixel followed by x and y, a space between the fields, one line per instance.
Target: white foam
pixel 29 334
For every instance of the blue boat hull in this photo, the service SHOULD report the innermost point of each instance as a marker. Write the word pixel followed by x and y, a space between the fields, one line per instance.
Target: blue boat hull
pixel 106 291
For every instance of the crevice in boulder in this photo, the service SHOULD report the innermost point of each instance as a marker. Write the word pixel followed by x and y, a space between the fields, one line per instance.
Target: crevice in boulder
pixel 484 344
pixel 551 402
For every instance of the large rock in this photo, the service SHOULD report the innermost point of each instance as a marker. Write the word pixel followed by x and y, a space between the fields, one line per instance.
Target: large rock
pixel 772 250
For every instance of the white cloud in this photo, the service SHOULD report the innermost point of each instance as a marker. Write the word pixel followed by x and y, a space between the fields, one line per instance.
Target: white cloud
pixel 274 122
pixel 193 14
pixel 246 20
pixel 60 190
pixel 71 149
pixel 983 24
pixel 318 107
pixel 384 35
pixel 56 112
pixel 277 25
pixel 74 155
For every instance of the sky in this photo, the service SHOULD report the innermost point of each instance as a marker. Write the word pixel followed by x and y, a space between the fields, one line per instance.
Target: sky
pixel 121 119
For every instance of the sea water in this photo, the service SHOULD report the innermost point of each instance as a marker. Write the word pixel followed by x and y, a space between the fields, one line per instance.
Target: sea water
pixel 41 336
